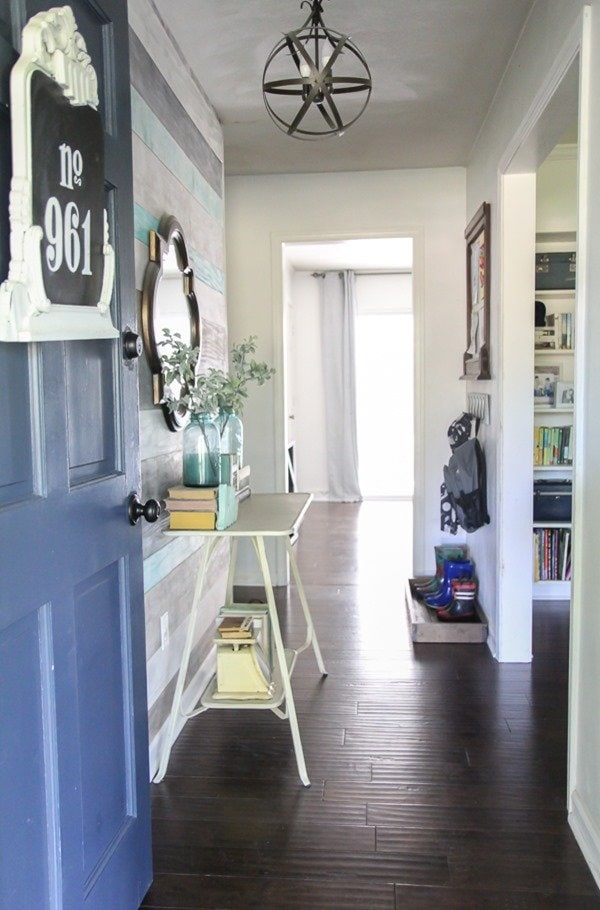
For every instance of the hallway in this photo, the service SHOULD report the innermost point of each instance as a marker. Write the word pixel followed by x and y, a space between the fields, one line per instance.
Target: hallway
pixel 438 775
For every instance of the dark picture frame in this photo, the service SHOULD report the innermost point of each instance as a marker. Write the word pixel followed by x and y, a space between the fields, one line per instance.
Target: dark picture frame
pixel 476 359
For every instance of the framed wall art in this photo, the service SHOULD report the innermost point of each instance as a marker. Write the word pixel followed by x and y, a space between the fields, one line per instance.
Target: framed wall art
pixel 61 271
pixel 476 359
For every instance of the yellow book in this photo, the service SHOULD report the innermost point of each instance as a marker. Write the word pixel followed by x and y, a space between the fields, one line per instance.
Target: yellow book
pixel 181 492
pixel 191 505
pixel 193 521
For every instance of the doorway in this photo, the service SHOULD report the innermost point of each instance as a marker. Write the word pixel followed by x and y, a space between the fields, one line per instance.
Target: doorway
pixel 556 271
pixel 383 359
pixel 555 114
pixel 385 384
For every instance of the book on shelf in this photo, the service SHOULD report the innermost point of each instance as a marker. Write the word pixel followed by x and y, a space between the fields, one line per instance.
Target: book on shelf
pixel 552 554
pixel 192 521
pixel 557 334
pixel 181 492
pixel 552 446
pixel 243 483
pixel 566 557
pixel 217 509
pixel 243 494
pixel 191 505
pixel 236 627
pixel 564 331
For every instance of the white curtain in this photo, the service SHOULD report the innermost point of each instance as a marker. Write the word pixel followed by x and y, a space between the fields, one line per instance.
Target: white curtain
pixel 338 325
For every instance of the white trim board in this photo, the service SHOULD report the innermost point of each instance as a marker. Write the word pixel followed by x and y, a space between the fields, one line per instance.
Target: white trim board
pixel 586 834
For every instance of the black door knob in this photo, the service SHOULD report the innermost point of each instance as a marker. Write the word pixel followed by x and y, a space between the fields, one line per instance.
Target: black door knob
pixel 132 345
pixel 150 510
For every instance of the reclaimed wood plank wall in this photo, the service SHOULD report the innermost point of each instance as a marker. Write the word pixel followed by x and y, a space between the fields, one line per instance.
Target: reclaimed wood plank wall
pixel 178 170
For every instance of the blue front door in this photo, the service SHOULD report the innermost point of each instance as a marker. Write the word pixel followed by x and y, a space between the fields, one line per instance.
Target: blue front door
pixel 74 790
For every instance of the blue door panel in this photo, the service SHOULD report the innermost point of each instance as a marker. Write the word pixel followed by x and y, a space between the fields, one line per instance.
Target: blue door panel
pixel 24 848
pixel 16 447
pixel 91 410
pixel 102 713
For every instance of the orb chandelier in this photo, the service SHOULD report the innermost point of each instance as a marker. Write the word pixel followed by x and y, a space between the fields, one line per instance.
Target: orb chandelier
pixel 316 82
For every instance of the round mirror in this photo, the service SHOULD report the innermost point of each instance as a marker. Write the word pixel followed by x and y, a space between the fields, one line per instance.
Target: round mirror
pixel 168 302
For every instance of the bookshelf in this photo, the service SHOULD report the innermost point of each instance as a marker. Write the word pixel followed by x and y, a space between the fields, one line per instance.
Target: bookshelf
pixel 553 437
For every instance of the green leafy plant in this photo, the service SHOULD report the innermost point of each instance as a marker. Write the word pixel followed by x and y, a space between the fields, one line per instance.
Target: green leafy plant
pixel 234 391
pixel 186 389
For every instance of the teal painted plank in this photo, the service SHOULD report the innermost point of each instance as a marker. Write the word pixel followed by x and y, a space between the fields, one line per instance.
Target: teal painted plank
pixel 143 223
pixel 151 131
pixel 169 108
pixel 207 272
pixel 204 270
pixel 160 564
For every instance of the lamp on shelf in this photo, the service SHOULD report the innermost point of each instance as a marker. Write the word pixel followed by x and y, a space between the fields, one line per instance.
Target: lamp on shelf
pixel 316 82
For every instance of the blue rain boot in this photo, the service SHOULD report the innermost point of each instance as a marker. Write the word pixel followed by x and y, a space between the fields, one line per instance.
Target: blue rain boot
pixel 452 569
pixel 432 586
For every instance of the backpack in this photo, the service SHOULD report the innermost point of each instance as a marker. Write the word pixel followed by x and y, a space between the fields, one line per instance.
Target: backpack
pixel 464 495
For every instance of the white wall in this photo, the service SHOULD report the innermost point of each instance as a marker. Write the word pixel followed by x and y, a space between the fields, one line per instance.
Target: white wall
pixel 544 48
pixel 556 192
pixel 309 400
pixel 263 212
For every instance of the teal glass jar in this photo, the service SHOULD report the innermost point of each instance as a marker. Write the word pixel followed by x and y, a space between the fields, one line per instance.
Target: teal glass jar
pixel 201 452
pixel 231 430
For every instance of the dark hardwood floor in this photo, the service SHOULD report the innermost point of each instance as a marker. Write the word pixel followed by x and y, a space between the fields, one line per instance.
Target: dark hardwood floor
pixel 438 775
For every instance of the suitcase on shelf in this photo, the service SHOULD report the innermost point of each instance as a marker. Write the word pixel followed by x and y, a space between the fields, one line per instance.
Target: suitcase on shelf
pixel 552 500
pixel 555 271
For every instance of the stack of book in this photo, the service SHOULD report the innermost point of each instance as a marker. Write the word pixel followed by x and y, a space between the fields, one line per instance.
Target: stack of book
pixel 557 334
pixel 243 671
pixel 563 326
pixel 207 508
pixel 552 554
pixel 552 446
pixel 236 627
pixel 192 508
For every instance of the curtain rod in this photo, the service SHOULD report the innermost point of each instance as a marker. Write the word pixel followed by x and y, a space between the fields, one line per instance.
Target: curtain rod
pixel 366 272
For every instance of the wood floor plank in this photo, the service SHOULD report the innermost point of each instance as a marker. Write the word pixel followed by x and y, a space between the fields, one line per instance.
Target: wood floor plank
pixel 438 775
pixel 239 892
pixel 426 898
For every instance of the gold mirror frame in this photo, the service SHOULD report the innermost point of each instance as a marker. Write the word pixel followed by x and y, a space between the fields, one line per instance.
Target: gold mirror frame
pixel 169 233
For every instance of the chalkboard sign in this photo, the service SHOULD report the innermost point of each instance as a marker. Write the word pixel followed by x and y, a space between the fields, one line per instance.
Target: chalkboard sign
pixel 67 156
pixel 61 271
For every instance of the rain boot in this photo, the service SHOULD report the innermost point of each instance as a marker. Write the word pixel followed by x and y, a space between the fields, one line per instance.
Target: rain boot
pixel 442 551
pixel 452 569
pixel 462 608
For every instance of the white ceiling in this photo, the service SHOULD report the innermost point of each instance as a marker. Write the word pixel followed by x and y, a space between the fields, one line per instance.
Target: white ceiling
pixel 435 66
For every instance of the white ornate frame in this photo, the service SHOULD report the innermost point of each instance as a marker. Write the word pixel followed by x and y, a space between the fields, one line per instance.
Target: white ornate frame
pixel 51 44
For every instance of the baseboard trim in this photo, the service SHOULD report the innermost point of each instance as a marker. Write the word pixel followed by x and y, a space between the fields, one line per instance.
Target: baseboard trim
pixel 586 834
pixel 491 643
